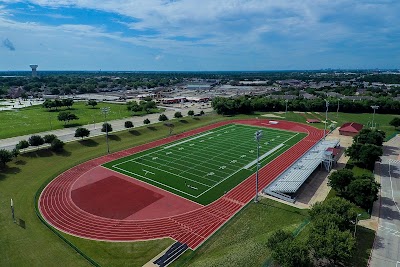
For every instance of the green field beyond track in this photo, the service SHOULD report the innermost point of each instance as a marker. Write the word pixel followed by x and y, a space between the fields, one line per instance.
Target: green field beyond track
pixel 205 166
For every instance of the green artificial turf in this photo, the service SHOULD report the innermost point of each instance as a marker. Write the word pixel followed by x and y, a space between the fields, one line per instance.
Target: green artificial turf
pixel 202 167
pixel 36 119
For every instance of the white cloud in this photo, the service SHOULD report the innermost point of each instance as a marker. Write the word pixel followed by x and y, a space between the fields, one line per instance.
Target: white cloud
pixel 221 30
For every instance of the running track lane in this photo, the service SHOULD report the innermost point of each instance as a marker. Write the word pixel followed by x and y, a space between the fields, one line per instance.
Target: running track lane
pixel 193 227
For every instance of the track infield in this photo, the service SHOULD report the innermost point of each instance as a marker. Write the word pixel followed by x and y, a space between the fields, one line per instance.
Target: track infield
pixel 69 204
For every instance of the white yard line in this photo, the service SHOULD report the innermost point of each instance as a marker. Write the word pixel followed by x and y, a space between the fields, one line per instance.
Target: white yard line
pixel 174 174
pixel 263 156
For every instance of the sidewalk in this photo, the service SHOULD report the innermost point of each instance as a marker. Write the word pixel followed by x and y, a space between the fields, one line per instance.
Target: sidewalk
pixel 67 134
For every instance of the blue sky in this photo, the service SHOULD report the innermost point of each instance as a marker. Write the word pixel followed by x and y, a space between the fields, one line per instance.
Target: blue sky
pixel 193 35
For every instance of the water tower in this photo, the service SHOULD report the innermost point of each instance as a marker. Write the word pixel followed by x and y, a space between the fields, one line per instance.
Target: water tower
pixel 33 67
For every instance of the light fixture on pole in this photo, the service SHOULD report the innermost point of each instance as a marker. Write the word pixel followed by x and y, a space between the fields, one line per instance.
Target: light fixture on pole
pixel 12 211
pixel 326 116
pixel 373 115
pixel 105 111
pixel 257 137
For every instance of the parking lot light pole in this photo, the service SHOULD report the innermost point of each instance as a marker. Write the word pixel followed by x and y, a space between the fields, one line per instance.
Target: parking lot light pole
pixel 105 111
pixel 257 137
pixel 373 115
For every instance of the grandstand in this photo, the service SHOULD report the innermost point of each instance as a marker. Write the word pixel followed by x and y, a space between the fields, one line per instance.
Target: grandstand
pixel 288 183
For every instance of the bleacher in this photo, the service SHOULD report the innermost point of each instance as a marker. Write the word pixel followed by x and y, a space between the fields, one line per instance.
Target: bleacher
pixel 288 182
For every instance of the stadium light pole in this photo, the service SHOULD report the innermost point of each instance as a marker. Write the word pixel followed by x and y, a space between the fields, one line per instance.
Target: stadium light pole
pixel 373 115
pixel 286 107
pixel 326 116
pixel 257 137
pixel 105 111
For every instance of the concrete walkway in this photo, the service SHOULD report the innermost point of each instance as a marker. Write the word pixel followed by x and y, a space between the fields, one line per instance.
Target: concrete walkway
pixel 67 134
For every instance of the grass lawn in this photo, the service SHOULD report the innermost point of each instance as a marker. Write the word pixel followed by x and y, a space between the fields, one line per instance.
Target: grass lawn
pixel 202 167
pixel 363 118
pixel 242 241
pixel 35 245
pixel 36 119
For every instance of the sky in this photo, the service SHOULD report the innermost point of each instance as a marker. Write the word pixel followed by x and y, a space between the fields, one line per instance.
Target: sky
pixel 199 35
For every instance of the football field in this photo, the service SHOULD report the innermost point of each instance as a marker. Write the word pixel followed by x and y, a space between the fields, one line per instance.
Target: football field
pixel 205 166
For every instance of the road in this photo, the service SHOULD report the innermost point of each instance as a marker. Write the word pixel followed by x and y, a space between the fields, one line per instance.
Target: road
pixel 67 134
pixel 386 249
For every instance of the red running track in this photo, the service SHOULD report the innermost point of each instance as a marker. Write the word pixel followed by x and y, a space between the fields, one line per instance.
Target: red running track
pixel 192 227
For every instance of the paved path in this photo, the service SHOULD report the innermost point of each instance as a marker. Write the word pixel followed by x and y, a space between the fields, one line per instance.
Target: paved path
pixel 386 249
pixel 67 134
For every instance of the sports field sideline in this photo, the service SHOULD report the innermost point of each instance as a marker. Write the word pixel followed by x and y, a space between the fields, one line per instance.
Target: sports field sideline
pixel 205 166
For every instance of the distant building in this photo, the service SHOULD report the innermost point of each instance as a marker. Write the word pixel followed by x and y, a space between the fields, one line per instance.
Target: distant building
pixel 350 128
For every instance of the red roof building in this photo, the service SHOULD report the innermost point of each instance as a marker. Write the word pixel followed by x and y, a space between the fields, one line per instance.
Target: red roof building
pixel 350 128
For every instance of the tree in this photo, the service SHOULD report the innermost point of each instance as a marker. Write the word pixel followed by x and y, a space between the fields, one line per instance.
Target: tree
pixel 162 117
pixel 340 180
pixel 92 103
pixel 67 102
pixel 146 121
pixel 106 127
pixel 134 106
pixel 364 191
pixel 286 251
pixel 368 154
pixel 178 115
pixel 190 113
pixel 82 132
pixel 57 145
pixel 395 122
pixel 22 144
pixel 328 242
pixel 5 156
pixel 15 152
pixel 128 124
pixel 36 140
pixel 66 116
pixel 365 154
pixel 335 209
pixel 48 138
pixel 48 104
